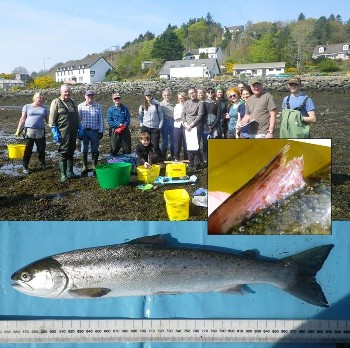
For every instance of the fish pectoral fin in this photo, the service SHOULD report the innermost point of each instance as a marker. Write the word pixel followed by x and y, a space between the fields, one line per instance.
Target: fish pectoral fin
pixel 238 290
pixel 90 292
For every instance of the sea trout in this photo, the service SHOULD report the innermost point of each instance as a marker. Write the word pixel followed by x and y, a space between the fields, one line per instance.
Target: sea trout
pixel 276 181
pixel 147 266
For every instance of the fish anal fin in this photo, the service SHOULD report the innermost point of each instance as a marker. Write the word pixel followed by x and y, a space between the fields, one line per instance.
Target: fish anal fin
pixel 90 292
pixel 240 289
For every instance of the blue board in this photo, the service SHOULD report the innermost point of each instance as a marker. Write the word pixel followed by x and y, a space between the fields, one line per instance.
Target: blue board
pixel 25 242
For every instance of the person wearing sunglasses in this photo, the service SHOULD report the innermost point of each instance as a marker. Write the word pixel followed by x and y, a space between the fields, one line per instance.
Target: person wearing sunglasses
pixel 235 101
pixel 243 132
pixel 118 118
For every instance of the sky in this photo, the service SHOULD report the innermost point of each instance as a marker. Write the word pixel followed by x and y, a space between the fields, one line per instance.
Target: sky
pixel 38 34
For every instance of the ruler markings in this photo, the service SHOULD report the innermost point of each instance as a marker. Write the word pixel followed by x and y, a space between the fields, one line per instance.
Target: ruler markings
pixel 176 330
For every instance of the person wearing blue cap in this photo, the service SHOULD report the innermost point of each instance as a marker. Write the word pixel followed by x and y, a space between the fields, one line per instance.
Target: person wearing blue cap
pixel 91 129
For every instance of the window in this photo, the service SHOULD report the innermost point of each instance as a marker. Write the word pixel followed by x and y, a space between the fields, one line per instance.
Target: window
pixel 321 49
pixel 346 47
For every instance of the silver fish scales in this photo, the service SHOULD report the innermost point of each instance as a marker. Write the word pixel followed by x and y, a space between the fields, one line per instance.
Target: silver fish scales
pixel 147 266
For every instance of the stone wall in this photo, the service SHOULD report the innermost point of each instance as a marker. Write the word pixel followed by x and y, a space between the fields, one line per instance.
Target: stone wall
pixel 332 84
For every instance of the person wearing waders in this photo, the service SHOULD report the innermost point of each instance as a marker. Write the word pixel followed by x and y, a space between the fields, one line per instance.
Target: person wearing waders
pixel 64 123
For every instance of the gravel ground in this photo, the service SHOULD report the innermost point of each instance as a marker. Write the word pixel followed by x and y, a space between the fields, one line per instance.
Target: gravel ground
pixel 41 196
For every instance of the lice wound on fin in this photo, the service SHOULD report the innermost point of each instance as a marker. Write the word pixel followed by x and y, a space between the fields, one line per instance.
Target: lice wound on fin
pixel 90 292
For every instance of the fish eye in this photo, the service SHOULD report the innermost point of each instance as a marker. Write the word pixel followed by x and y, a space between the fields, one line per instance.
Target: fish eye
pixel 25 276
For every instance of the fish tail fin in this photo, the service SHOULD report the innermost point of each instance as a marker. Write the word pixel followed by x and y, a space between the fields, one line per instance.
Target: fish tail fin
pixel 309 263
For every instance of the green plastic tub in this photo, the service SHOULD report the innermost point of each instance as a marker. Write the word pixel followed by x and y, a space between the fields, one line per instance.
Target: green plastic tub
pixel 112 175
pixel 123 171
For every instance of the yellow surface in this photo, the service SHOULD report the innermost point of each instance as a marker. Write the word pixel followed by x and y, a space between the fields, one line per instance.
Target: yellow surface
pixel 16 150
pixel 148 175
pixel 175 169
pixel 177 204
pixel 233 162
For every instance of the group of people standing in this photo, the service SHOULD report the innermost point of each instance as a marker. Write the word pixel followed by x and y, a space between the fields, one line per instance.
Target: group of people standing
pixel 168 130
pixel 243 111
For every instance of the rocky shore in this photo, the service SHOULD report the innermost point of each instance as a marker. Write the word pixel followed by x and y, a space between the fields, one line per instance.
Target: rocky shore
pixel 328 84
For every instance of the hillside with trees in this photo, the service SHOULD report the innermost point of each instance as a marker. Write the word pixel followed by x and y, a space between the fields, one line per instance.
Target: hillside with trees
pixel 292 42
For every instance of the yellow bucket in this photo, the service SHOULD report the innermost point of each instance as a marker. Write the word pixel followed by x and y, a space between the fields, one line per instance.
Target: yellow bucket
pixel 16 151
pixel 177 204
pixel 233 162
pixel 175 169
pixel 148 175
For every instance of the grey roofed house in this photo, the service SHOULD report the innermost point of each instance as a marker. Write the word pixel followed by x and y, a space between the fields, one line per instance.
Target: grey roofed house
pixel 333 51
pixel 88 70
pixel 210 52
pixel 192 53
pixel 260 69
pixel 235 29
pixel 5 83
pixel 211 64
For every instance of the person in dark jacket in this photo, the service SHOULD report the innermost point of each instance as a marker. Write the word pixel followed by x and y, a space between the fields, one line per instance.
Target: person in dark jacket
pixel 145 151
pixel 211 121
pixel 64 122
pixel 220 97
pixel 192 114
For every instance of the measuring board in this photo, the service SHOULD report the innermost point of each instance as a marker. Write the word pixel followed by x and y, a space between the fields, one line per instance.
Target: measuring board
pixel 174 330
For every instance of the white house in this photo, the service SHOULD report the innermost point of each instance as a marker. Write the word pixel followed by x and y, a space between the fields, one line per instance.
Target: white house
pixel 237 31
pixel 87 70
pixel 334 51
pixel 260 69
pixel 211 52
pixel 190 68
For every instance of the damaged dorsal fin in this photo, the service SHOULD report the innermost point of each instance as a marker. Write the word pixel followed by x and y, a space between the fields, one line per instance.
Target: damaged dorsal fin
pixel 251 253
pixel 157 239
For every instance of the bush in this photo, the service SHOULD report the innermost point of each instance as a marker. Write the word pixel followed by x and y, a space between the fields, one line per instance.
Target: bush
pixel 43 82
pixel 328 65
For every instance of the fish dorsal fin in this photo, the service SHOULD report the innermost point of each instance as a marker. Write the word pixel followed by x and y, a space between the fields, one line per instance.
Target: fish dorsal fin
pixel 251 253
pixel 90 292
pixel 155 240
